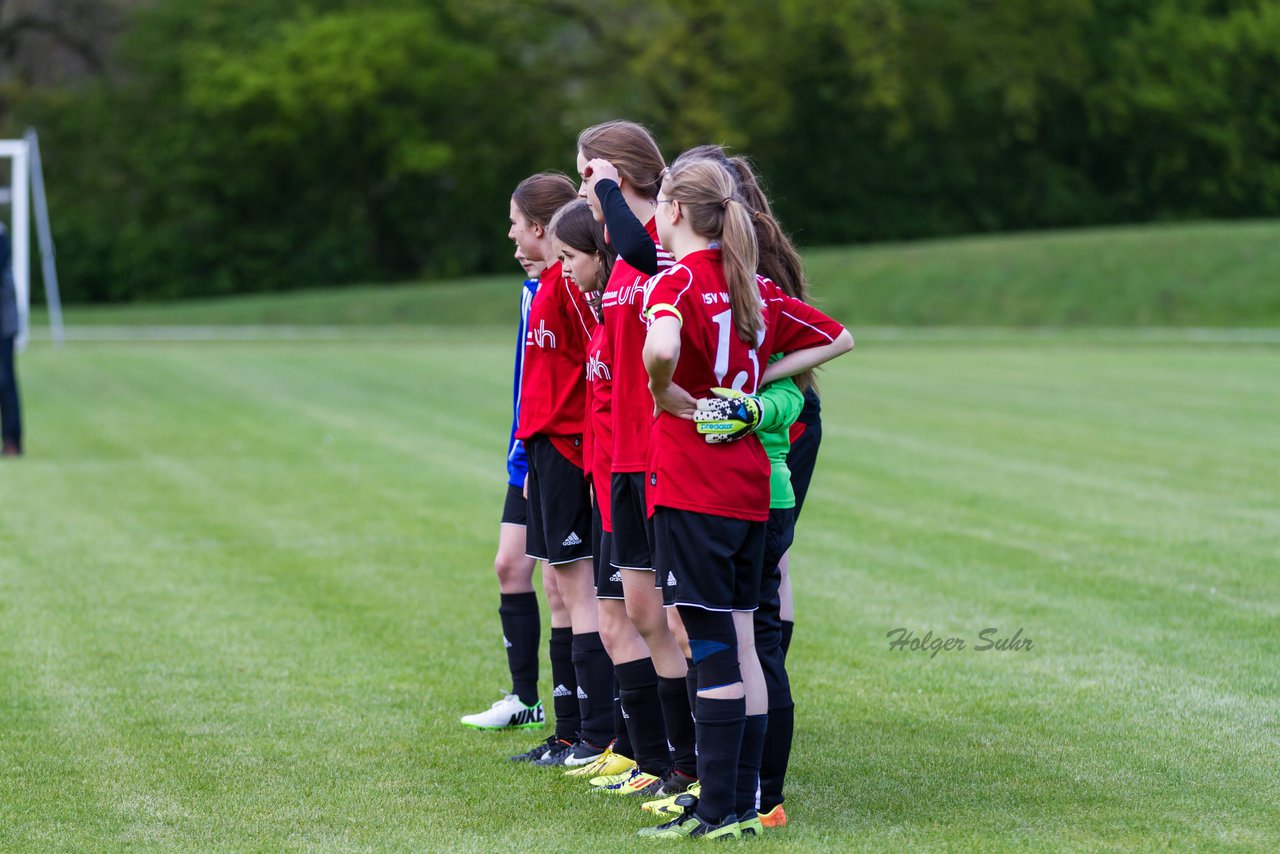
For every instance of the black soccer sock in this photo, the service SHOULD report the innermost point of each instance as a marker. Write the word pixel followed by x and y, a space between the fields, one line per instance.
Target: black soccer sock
pixel 565 694
pixel 777 752
pixel 691 686
pixel 679 721
pixel 753 736
pixel 595 688
pixel 621 741
pixel 720 726
pixel 639 683
pixel 788 626
pixel 521 629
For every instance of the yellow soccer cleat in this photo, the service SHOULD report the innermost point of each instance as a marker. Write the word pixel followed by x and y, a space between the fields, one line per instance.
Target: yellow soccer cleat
pixel 633 783
pixel 667 806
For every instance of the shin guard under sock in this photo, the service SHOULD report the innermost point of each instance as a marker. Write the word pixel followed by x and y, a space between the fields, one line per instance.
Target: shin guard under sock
pixel 753 736
pixel 777 753
pixel 679 721
pixel 639 683
pixel 622 739
pixel 720 726
pixel 521 629
pixel 595 688
pixel 565 694
pixel 691 686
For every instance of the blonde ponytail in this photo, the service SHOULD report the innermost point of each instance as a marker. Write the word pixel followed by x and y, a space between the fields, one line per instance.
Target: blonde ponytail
pixel 706 192
pixel 740 254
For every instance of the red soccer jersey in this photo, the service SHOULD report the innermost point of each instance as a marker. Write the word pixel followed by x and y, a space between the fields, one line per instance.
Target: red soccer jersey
pixel 553 393
pixel 598 440
pixel 623 306
pixel 685 472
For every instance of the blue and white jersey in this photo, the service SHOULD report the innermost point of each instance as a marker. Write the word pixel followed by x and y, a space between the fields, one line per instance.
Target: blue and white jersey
pixel 517 462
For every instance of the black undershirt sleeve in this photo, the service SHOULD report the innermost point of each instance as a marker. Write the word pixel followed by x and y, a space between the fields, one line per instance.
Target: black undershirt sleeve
pixel 626 232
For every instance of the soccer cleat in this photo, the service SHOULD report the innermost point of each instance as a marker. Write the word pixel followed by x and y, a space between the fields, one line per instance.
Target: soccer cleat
pixel 674 783
pixel 508 713
pixel 556 755
pixel 583 753
pixel 689 825
pixel 611 779
pixel 776 817
pixel 606 763
pixel 539 751
pixel 750 827
pixel 667 806
pixel 635 783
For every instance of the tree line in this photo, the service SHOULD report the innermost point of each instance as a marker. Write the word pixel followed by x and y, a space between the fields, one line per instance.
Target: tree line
pixel 199 147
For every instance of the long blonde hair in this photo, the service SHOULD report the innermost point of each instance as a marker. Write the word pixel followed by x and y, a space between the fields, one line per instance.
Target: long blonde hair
pixel 708 196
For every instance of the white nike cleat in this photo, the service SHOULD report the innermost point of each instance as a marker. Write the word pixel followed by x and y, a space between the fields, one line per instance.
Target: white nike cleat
pixel 507 713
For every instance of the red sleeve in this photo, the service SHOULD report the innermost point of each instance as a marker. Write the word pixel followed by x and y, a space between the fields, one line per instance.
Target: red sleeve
pixel 667 290
pixel 798 325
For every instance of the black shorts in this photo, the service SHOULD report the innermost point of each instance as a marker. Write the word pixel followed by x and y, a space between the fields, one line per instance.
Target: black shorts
pixel 515 511
pixel 709 562
pixel 559 528
pixel 632 528
pixel 802 458
pixel 608 579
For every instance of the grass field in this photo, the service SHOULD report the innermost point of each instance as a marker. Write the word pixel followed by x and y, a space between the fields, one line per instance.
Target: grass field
pixel 245 592
pixel 1204 274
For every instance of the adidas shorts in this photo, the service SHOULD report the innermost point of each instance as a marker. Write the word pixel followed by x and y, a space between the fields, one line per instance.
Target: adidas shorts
pixel 632 528
pixel 705 561
pixel 559 527
pixel 515 511
pixel 608 578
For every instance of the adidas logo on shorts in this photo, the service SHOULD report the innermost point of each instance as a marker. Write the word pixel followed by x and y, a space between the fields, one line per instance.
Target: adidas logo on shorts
pixel 671 579
pixel 582 695
pixel 572 540
pixel 616 578
pixel 506 643
pixel 561 691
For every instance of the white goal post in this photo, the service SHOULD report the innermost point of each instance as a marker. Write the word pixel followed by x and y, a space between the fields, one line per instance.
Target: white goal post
pixel 25 188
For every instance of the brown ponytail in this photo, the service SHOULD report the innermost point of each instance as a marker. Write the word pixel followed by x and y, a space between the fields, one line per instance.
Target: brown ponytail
pixel 779 260
pixel 539 196
pixel 707 195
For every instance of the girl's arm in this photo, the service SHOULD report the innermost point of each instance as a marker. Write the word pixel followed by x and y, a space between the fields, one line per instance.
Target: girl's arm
pixel 661 353
pixel 626 232
pixel 799 361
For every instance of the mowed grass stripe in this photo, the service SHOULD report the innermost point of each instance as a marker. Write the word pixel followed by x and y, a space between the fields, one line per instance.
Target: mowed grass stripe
pixel 247 593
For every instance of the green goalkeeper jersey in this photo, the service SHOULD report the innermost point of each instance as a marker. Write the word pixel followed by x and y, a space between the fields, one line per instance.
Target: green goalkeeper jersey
pixel 780 405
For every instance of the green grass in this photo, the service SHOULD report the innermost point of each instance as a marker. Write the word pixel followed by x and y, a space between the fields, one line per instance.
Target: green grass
pixel 245 592
pixel 1216 274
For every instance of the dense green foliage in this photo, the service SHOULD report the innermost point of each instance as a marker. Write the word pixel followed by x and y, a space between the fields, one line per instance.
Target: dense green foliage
pixel 1221 275
pixel 247 589
pixel 241 146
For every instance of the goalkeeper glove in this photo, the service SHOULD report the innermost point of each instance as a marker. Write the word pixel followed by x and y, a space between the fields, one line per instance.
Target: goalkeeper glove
pixel 728 416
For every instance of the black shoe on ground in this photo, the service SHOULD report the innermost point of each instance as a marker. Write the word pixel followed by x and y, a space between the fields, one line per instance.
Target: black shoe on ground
pixel 555 755
pixel 541 750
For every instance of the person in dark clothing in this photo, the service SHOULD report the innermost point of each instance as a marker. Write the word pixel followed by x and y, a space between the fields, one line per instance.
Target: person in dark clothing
pixel 10 408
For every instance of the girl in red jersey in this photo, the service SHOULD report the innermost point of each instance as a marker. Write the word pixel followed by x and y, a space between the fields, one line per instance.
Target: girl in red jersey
pixel 588 260
pixel 779 262
pixel 662 673
pixel 714 324
pixel 552 407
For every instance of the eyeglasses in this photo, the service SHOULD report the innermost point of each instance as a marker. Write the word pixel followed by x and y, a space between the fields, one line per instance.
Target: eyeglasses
pixel 660 201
